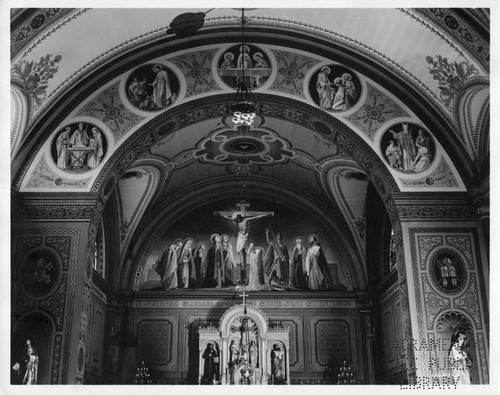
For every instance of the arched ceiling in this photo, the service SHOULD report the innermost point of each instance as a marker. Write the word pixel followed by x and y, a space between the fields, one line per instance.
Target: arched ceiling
pixel 321 158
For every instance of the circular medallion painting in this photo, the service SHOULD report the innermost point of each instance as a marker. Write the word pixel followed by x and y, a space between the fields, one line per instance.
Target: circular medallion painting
pixel 39 272
pixel 335 88
pixel 408 148
pixel 152 87
pixel 248 58
pixel 79 147
pixel 447 272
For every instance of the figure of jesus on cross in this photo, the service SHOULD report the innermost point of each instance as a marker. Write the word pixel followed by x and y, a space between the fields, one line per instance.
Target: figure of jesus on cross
pixel 241 219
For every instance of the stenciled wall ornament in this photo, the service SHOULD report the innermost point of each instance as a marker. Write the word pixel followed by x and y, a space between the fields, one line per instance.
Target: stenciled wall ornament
pixel 376 110
pixel 40 272
pixel 79 147
pixel 109 108
pixel 246 57
pixel 335 88
pixel 152 87
pixel 408 148
pixel 291 71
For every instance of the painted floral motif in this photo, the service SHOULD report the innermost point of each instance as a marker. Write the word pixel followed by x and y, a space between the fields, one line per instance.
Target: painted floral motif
pixel 469 302
pixel 451 78
pixel 425 245
pixel 377 110
pixel 335 88
pixel 79 147
pixel 152 87
pixel 434 303
pixel 33 77
pixel 248 58
pixel 109 108
pixel 197 70
pixel 408 148
pixel 292 69
pixel 44 177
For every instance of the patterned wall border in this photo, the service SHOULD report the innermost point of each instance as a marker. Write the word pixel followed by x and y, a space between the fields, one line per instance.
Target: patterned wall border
pixel 23 35
pixel 483 358
pixel 56 359
pixel 446 19
pixel 55 211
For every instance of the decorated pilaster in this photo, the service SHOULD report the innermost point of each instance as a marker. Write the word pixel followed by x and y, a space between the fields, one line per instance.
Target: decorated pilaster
pixel 445 271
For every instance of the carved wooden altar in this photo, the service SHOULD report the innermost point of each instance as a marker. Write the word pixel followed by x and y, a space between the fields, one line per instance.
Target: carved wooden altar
pixel 249 351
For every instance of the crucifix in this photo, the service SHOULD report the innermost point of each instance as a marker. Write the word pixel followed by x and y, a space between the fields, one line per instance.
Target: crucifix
pixel 244 301
pixel 241 219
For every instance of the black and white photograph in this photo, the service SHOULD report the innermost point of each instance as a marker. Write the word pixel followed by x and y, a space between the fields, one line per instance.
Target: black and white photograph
pixel 257 194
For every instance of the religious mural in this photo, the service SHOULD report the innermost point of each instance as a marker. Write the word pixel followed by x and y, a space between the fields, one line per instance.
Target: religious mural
pixel 79 147
pixel 447 272
pixel 152 87
pixel 335 88
pixel 253 60
pixel 408 148
pixel 39 272
pixel 221 246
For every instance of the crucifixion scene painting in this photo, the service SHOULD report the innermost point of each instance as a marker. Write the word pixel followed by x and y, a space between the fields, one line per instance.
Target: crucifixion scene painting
pixel 242 245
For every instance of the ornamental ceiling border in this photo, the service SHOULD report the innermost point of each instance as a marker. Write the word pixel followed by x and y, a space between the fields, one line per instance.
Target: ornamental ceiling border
pixel 455 26
pixel 157 37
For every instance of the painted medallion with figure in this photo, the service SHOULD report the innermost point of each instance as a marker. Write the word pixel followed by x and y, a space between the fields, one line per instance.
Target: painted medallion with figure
pixel 79 147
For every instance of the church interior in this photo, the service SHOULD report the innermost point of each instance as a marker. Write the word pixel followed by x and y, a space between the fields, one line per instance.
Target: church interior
pixel 257 196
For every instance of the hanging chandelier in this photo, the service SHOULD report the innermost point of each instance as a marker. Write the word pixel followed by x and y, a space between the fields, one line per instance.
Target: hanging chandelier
pixel 243 106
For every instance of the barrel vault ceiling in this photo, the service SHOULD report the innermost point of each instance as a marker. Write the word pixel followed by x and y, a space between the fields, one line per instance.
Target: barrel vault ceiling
pixel 409 68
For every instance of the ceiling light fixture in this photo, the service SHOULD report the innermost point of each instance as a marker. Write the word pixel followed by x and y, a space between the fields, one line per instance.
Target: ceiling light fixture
pixel 243 106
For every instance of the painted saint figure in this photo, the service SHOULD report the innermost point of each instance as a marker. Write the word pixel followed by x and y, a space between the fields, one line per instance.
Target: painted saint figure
pixel 324 88
pixel 277 259
pixel 94 157
pixel 298 260
pixel 212 272
pixel 394 156
pixel 162 95
pixel 350 90
pixel 317 270
pixel 62 144
pixel 255 277
pixel 228 262
pixel 186 265
pixel 339 102
pixel 406 145
pixel 166 267
pixel 200 253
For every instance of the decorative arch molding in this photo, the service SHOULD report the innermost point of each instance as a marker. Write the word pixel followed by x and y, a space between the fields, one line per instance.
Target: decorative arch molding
pixel 18 118
pixel 473 112
pixel 349 259
pixel 359 58
pixel 239 311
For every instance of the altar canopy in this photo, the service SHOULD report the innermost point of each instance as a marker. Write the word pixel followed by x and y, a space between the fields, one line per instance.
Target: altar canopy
pixel 245 349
